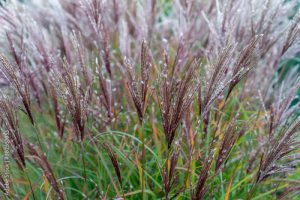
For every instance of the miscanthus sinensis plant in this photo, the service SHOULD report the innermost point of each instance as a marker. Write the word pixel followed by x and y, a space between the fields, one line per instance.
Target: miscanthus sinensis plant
pixel 154 99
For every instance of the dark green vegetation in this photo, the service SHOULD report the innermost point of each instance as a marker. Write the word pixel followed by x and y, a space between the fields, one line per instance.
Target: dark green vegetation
pixel 150 99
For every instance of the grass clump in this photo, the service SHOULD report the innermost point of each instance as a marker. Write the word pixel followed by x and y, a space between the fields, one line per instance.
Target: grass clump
pixel 149 99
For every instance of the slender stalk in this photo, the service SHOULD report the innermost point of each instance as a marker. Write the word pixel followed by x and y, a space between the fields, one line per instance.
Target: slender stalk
pixel 37 133
pixel 143 159
pixel 252 191
pixel 166 165
pixel 30 185
pixel 83 160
